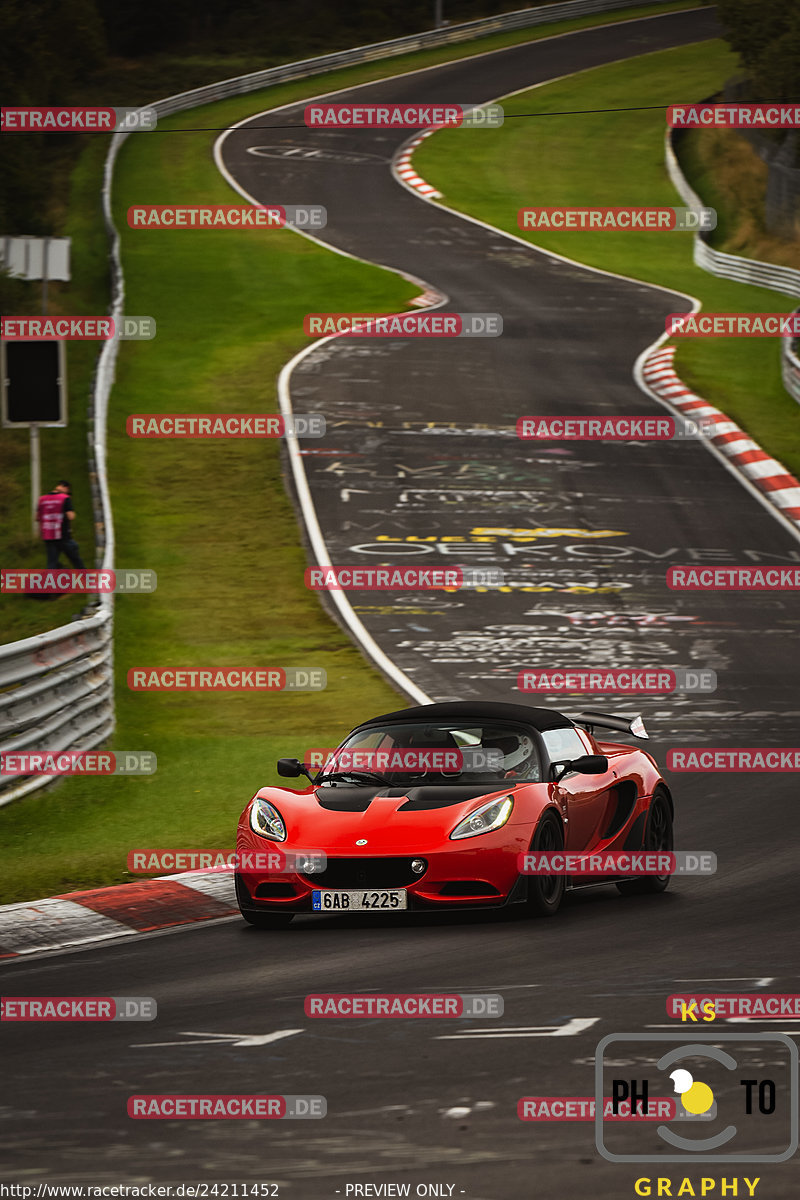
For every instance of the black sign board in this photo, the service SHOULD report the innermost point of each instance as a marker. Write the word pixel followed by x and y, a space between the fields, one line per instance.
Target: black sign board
pixel 34 383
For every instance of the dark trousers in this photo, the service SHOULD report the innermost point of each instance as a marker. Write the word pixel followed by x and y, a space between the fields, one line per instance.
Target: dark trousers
pixel 58 546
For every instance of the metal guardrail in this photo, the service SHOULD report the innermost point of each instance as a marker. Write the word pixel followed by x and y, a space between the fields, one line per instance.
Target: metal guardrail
pixel 57 688
pixel 56 693
pixel 743 270
pixel 790 367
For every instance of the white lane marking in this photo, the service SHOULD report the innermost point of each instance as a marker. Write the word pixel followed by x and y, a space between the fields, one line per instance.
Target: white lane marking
pixel 472 989
pixel 750 1020
pixel 507 987
pixel 767 1021
pixel 572 1027
pixel 463 1110
pixel 370 1112
pixel 226 1039
pixel 759 981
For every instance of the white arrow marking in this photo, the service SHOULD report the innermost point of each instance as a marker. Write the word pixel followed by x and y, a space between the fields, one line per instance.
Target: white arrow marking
pixel 403 470
pixel 227 1039
pixel 573 1026
pixel 763 981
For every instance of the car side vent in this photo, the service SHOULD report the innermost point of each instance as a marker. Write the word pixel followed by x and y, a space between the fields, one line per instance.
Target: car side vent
pixel 626 798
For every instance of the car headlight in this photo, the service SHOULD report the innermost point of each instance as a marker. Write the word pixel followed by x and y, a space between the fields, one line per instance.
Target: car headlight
pixel 484 819
pixel 266 820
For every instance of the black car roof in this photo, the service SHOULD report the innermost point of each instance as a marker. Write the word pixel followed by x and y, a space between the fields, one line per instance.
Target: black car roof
pixel 539 718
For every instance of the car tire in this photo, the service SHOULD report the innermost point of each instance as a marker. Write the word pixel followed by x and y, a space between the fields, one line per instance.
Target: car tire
pixel 268 920
pixel 545 892
pixel 657 836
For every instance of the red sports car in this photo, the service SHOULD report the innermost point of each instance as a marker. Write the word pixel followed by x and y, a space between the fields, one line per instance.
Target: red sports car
pixel 430 808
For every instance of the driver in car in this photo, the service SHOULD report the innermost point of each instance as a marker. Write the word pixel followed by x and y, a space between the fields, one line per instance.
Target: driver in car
pixel 519 755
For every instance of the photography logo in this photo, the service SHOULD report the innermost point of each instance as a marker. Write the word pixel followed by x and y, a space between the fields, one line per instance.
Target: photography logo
pixel 737 1096
pixel 697 1099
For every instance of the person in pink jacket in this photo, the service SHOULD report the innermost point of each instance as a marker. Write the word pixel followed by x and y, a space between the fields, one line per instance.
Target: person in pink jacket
pixel 54 514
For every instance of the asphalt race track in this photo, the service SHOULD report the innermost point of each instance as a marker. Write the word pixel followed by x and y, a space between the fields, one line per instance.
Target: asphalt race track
pixel 434 1101
pixel 479 497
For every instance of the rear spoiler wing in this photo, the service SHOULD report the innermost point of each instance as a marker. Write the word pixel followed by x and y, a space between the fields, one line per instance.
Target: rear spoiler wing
pixel 591 720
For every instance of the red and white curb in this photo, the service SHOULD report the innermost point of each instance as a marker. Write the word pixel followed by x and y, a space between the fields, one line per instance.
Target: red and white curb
pixel 78 918
pixel 763 472
pixel 428 299
pixel 404 171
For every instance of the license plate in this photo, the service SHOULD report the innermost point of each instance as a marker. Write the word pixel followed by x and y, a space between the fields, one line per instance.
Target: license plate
pixel 360 901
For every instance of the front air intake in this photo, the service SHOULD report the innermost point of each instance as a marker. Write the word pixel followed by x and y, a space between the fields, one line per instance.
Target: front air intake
pixel 365 873
pixel 467 887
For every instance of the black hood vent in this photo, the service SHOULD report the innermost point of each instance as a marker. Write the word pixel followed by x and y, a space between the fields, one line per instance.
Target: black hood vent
pixel 421 798
pixel 346 799
pixel 430 796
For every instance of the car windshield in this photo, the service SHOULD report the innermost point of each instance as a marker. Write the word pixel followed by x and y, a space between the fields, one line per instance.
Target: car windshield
pixel 437 752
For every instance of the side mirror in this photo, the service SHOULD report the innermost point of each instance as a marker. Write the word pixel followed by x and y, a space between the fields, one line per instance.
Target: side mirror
pixel 587 764
pixel 291 768
pixel 590 764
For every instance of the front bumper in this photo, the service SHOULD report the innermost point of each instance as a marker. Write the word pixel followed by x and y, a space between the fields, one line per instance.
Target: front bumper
pixel 458 878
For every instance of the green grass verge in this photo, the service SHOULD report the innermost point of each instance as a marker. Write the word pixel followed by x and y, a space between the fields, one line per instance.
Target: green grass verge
pixel 603 159
pixel 215 523
pixel 728 173
pixel 63 451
